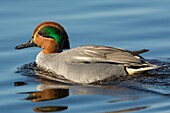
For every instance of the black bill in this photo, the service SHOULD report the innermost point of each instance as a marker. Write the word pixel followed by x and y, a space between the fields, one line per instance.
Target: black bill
pixel 30 43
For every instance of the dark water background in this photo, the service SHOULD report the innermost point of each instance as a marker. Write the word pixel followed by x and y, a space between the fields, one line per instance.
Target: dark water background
pixel 128 24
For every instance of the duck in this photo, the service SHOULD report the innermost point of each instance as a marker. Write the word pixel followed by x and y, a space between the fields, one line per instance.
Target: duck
pixel 84 64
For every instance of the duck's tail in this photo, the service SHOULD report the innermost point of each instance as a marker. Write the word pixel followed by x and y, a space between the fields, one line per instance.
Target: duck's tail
pixel 139 52
pixel 132 71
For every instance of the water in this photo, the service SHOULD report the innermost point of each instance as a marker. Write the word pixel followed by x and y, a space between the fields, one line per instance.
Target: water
pixel 127 24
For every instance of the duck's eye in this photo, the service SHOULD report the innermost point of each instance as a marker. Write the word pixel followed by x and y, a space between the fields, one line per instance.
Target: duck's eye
pixel 43 34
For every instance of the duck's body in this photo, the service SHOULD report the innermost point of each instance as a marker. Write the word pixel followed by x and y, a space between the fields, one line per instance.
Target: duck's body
pixel 86 64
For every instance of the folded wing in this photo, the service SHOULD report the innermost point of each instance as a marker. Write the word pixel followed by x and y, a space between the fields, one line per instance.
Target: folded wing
pixel 106 54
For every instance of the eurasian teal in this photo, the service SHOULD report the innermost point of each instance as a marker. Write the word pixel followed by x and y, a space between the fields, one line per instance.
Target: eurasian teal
pixel 85 64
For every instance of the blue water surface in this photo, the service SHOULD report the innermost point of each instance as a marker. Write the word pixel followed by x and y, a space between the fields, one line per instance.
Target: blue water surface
pixel 131 24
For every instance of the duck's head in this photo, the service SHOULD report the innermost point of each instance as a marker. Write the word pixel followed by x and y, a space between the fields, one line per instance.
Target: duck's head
pixel 50 36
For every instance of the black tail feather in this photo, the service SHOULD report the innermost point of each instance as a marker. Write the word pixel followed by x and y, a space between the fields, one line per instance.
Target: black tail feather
pixel 139 52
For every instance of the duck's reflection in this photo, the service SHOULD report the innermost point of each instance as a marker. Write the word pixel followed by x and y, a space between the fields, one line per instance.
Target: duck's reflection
pixel 47 91
pixel 48 94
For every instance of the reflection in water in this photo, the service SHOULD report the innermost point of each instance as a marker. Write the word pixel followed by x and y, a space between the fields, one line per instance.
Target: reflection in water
pixel 49 108
pixel 48 94
pixel 45 95
pixel 117 96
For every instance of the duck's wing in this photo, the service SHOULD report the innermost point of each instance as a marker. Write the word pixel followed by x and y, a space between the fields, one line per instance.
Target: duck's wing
pixel 106 54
